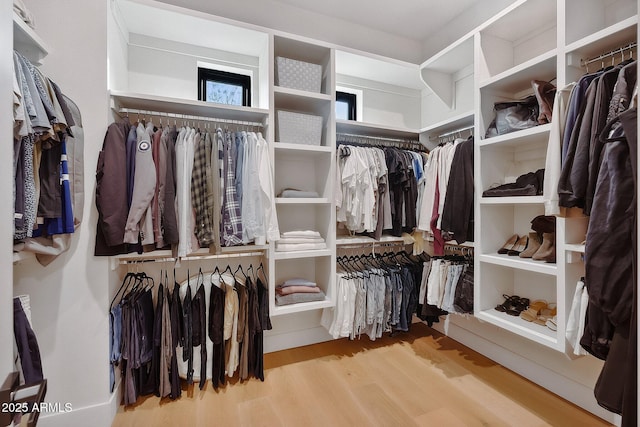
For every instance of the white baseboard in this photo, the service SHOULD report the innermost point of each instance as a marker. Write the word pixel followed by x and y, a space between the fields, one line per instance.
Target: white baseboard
pixel 292 339
pixel 576 393
pixel 100 415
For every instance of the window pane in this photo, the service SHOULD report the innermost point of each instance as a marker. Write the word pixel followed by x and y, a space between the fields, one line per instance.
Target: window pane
pixel 342 110
pixel 224 93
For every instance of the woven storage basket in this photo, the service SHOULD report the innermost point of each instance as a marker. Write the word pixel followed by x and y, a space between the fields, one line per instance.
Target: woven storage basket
pixel 298 74
pixel 298 128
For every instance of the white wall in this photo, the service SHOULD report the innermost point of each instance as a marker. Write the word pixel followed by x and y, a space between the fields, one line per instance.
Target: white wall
pixel 6 179
pixel 385 104
pixel 69 298
pixel 117 41
pixel 433 110
pixel 171 69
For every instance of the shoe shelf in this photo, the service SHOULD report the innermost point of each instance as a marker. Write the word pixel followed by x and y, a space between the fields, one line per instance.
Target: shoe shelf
pixel 538 333
pixel 520 263
pixel 574 247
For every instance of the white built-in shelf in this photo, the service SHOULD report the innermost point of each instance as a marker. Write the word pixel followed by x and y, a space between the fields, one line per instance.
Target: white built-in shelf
pixel 520 263
pixel 440 71
pixel 303 148
pixel 300 100
pixel 518 78
pixel 122 101
pixel 28 42
pixel 280 310
pixel 533 331
pixel 364 240
pixel 302 201
pixel 225 252
pixel 372 129
pixel 302 254
pixel 451 124
pixel 513 200
pixel 574 247
pixel 521 138
pixel 604 40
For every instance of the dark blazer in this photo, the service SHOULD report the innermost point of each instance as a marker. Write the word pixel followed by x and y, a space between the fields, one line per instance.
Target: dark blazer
pixel 111 191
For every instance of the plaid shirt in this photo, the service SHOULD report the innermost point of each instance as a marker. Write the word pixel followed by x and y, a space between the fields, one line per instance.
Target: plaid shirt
pixel 199 191
pixel 231 216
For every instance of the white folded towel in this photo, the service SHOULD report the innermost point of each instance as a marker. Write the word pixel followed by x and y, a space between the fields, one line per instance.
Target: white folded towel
pixel 301 233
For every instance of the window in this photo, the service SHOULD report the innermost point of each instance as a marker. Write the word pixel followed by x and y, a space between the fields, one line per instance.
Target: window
pixel 345 106
pixel 223 87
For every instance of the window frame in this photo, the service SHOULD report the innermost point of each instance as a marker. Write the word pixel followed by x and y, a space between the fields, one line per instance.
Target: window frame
pixel 207 74
pixel 352 101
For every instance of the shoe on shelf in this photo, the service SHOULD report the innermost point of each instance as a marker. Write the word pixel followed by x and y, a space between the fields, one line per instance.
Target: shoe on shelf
pixel 520 246
pixel 547 251
pixel 513 305
pixel 534 310
pixel 509 244
pixel 552 323
pixel 532 246
pixel 547 313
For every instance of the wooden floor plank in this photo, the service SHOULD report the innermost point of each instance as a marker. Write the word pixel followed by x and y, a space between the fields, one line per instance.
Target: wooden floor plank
pixel 417 378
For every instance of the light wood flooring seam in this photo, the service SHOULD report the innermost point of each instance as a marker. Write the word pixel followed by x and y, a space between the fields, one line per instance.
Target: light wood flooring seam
pixel 419 378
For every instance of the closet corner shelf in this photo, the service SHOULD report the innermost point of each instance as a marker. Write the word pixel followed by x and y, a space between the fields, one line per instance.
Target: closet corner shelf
pixel 523 137
pixel 518 78
pixel 608 38
pixel 302 201
pixel 538 333
pixel 520 263
pixel 28 42
pixel 450 124
pixel 165 104
pixel 302 254
pixel 375 130
pixel 514 200
pixel 302 148
pixel 280 310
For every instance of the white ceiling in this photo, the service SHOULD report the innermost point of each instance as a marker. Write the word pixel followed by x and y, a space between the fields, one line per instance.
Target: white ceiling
pixel 408 30
pixel 413 19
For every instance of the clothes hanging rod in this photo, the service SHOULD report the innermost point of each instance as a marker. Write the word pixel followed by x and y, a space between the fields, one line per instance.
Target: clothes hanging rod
pixel 614 52
pixel 453 132
pixel 185 117
pixel 190 258
pixel 377 138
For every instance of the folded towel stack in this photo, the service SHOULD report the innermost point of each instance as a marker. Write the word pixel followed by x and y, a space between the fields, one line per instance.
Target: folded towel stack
pixel 290 193
pixel 305 240
pixel 294 291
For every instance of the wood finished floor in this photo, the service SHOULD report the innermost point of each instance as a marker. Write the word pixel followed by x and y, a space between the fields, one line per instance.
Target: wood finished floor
pixel 420 378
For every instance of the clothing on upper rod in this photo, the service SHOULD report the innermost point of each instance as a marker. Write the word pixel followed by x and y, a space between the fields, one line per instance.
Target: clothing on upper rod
pixel 182 187
pixel 446 205
pixel 48 193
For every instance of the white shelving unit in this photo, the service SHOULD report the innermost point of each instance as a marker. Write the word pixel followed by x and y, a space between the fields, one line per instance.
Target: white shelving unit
pixel 28 42
pixel 307 168
pixel 524 43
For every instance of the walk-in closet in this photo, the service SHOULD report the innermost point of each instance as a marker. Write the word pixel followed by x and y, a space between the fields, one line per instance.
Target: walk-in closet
pixel 285 212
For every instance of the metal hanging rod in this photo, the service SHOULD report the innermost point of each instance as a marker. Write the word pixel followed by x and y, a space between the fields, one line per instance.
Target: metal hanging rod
pixel 190 258
pixel 611 53
pixel 454 132
pixel 379 140
pixel 186 117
